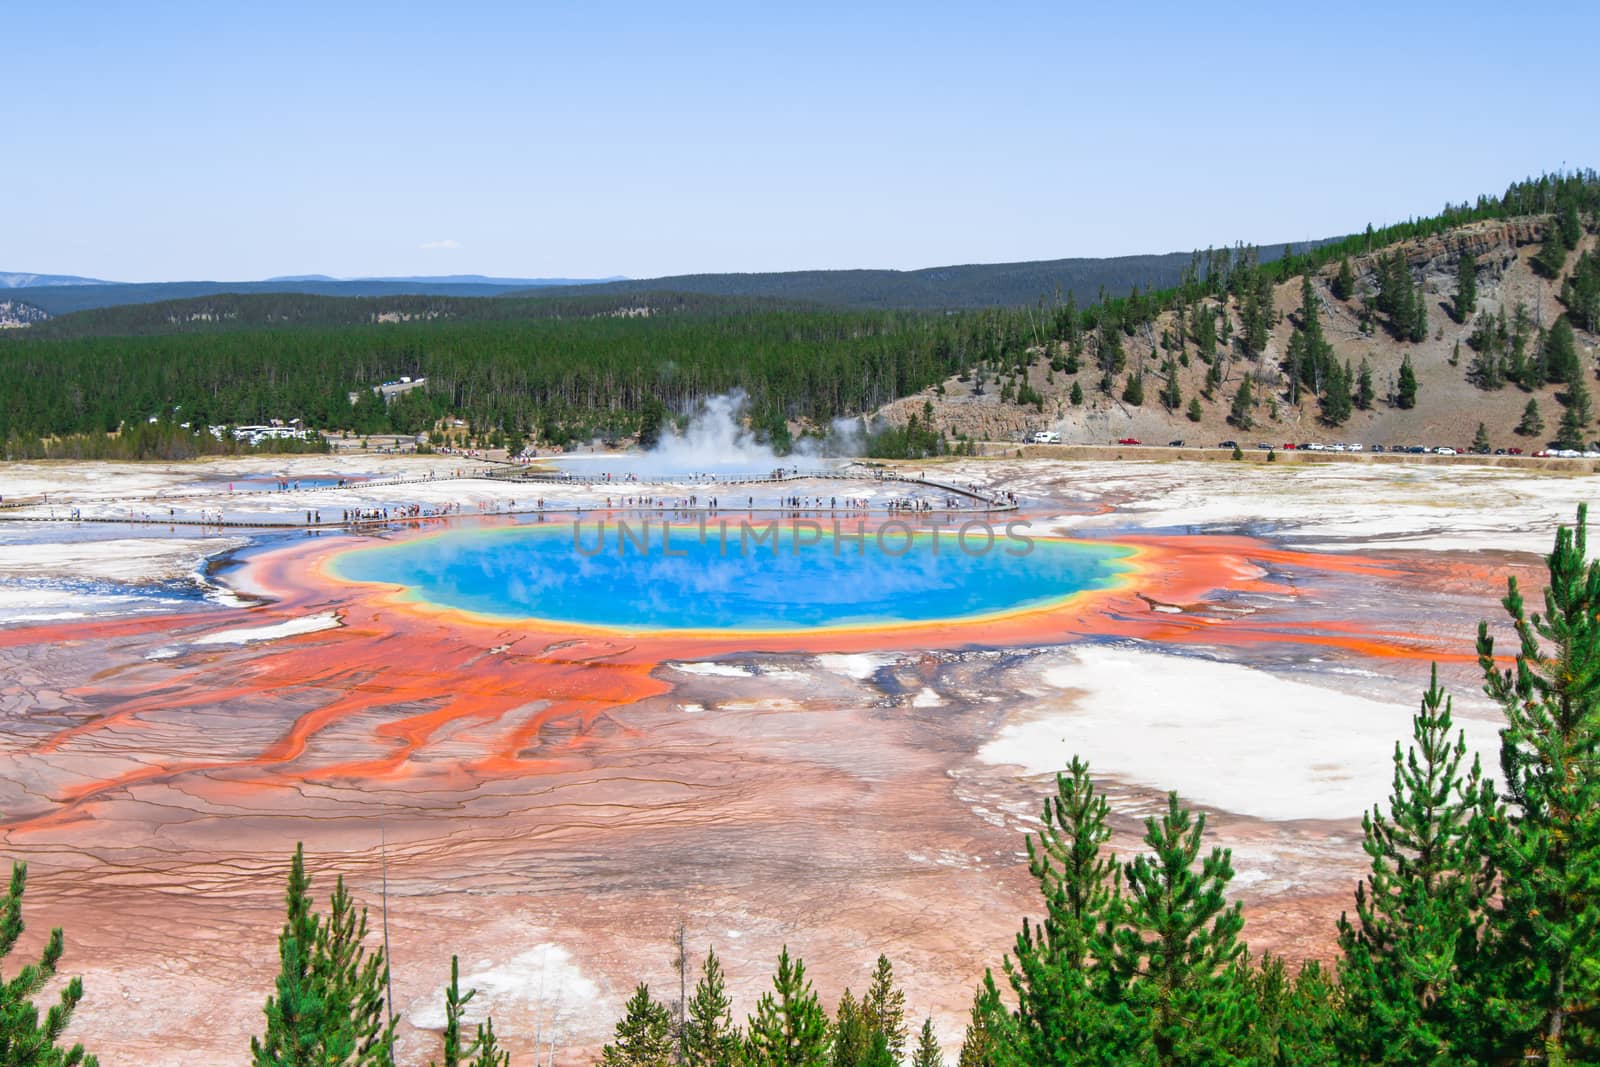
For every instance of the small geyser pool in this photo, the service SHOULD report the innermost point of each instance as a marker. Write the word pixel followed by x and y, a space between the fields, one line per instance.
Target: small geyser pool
pixel 638 574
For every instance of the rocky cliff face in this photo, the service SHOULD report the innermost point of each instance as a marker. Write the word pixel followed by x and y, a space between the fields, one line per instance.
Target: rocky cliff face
pixel 1494 243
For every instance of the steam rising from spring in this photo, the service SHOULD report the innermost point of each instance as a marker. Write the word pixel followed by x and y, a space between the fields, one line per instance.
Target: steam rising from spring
pixel 717 441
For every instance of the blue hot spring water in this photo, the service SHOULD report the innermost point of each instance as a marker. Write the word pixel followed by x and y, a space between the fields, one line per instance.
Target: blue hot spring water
pixel 737 578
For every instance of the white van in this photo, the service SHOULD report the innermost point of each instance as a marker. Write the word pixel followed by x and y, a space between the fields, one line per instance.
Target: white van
pixel 1047 437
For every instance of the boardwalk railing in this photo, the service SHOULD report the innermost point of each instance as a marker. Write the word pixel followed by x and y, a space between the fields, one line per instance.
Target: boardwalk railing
pixel 997 501
pixel 70 510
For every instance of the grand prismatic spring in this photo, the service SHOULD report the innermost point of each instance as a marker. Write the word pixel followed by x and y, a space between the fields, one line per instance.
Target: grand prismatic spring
pixel 560 740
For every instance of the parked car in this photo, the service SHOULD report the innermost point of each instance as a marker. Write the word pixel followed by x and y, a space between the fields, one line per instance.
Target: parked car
pixel 1353 448
pixel 1128 441
pixel 1263 446
pixel 1175 444
pixel 1229 444
pixel 1378 448
pixel 1513 451
pixel 1445 452
pixel 1289 446
pixel 1047 437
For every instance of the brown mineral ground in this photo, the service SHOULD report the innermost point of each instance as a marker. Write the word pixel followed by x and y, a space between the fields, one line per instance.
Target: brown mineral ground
pixel 555 804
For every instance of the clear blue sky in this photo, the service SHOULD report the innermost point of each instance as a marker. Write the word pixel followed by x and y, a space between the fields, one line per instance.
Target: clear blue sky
pixel 174 140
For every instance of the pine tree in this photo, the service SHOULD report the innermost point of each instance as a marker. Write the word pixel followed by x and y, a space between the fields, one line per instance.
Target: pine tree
pixel 1466 301
pixel 1412 967
pixel 1295 1015
pixel 1133 392
pixel 1480 441
pixel 1178 945
pixel 294 1016
pixel 25 1041
pixel 1297 365
pixel 329 1007
pixel 1560 354
pixel 486 1049
pixel 455 1006
pixel 1532 423
pixel 1256 314
pixel 1552 254
pixel 1109 355
pixel 1406 392
pixel 1172 393
pixel 1076 397
pixel 1486 370
pixel 1335 401
pixel 1569 225
pixel 988 1041
pixel 851 1039
pixel 883 1009
pixel 1364 391
pixel 1417 325
pixel 1395 294
pixel 1240 415
pixel 354 982
pixel 1573 430
pixel 643 1037
pixel 1205 333
pixel 1344 283
pixel 789 1028
pixel 1195 414
pixel 878 1054
pixel 710 1038
pixel 928 1053
pixel 1316 354
pixel 1068 1009
pixel 1547 928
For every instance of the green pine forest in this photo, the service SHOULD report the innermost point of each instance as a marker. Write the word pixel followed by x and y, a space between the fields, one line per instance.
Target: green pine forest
pixel 557 370
pixel 1474 938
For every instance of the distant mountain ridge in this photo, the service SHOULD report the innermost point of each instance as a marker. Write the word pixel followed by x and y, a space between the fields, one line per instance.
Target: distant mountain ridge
pixel 958 287
pixel 23 280
pixel 65 299
pixel 955 287
pixel 450 279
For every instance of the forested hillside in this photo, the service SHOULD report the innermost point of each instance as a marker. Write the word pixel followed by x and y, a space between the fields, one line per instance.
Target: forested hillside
pixel 223 312
pixel 968 286
pixel 1474 330
pixel 557 378
pixel 1234 345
